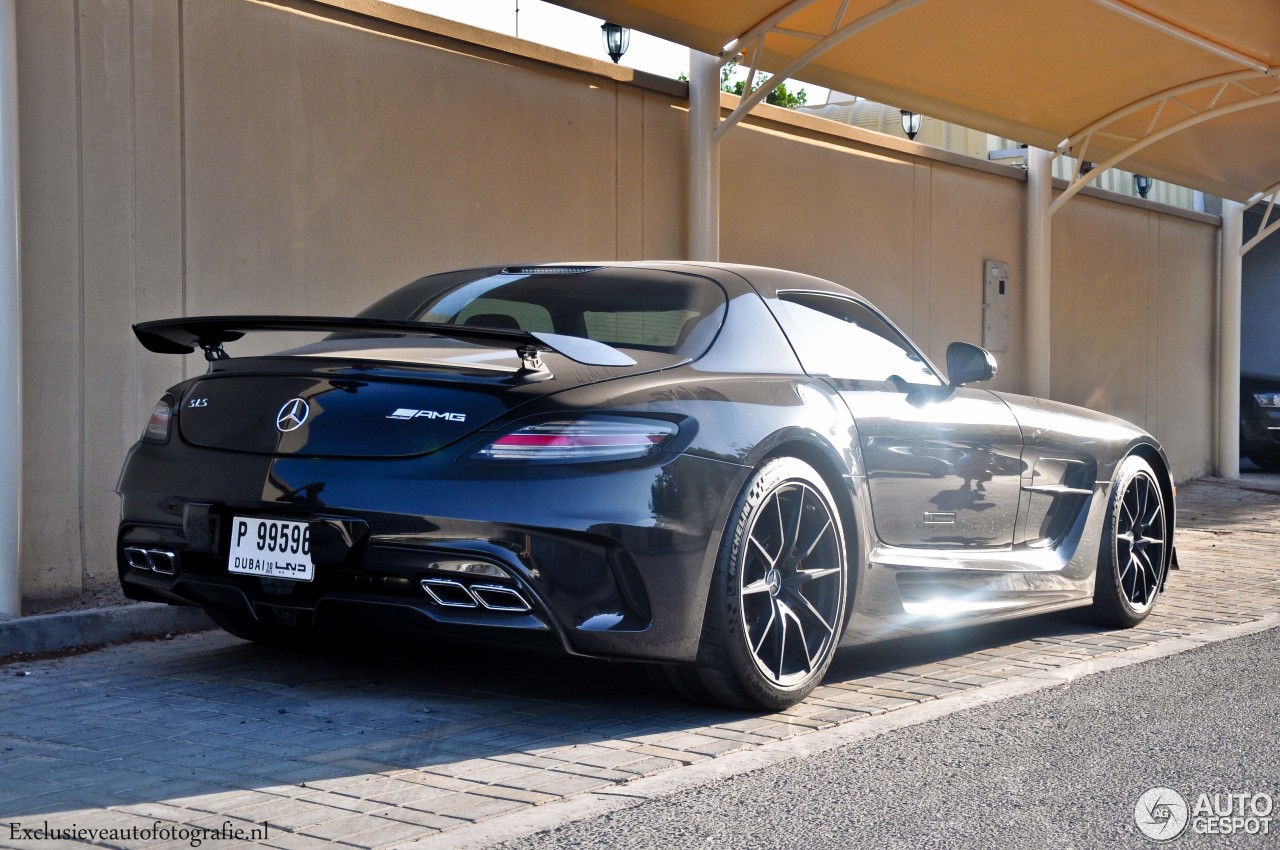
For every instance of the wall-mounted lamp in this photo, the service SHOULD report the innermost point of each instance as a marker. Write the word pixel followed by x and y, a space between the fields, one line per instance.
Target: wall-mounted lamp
pixel 1142 185
pixel 911 123
pixel 616 40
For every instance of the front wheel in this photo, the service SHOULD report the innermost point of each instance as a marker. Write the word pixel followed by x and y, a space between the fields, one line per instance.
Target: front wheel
pixel 1133 556
pixel 778 594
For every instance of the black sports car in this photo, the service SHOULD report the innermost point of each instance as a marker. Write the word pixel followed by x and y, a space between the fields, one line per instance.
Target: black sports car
pixel 726 471
pixel 1260 420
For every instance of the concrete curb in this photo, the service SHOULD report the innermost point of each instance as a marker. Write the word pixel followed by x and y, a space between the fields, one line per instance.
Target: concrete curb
pixel 96 626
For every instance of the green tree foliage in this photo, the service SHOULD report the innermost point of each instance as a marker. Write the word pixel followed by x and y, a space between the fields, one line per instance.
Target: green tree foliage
pixel 780 96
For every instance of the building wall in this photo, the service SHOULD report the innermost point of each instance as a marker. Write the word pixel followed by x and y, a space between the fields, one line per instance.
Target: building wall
pixel 1134 330
pixel 1260 304
pixel 292 157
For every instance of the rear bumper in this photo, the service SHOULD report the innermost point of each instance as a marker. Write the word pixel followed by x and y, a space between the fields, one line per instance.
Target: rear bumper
pixel 610 562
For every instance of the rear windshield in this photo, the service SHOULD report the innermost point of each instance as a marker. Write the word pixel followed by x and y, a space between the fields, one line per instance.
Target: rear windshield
pixel 643 309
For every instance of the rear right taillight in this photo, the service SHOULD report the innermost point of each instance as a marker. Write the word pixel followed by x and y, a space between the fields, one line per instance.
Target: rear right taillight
pixel 588 438
pixel 157 430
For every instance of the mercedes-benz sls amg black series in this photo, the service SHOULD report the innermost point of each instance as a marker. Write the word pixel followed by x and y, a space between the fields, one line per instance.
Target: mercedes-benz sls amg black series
pixel 1260 420
pixel 725 471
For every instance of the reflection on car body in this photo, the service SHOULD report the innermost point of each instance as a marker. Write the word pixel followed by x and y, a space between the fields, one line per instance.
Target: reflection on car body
pixel 723 471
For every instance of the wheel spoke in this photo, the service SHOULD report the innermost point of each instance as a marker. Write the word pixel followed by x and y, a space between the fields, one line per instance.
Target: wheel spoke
pixel 782 524
pixel 806 576
pixel 1128 512
pixel 808 606
pixel 757 586
pixel 780 639
pixel 808 550
pixel 1149 575
pixel 1128 566
pixel 794 542
pixel 768 626
pixel 772 559
pixel 1155 515
pixel 787 615
pixel 1140 497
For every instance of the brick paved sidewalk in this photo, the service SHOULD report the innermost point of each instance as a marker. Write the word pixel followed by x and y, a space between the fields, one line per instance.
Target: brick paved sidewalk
pixel 207 731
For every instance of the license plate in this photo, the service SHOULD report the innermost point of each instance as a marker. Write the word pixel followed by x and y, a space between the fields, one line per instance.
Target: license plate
pixel 272 548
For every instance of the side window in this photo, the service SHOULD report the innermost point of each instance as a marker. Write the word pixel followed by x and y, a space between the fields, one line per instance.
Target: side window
pixel 504 315
pixel 844 339
pixel 661 328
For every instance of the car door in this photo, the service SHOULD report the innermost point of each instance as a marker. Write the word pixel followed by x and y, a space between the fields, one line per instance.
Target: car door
pixel 943 464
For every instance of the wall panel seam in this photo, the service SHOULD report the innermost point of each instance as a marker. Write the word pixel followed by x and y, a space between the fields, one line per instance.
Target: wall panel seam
pixel 80 192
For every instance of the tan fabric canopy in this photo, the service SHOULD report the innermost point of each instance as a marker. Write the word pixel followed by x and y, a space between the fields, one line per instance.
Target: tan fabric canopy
pixel 1185 90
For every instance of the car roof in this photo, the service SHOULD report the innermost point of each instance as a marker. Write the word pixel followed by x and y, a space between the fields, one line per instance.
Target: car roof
pixel 767 281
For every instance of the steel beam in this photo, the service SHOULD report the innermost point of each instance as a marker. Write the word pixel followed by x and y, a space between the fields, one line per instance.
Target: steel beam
pixel 10 319
pixel 1230 259
pixel 1039 324
pixel 704 157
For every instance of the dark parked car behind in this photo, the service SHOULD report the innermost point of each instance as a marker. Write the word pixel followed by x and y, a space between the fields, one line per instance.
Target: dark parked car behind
pixel 1260 420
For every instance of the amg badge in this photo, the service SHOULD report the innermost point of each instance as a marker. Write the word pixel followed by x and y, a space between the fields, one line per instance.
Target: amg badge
pixel 410 413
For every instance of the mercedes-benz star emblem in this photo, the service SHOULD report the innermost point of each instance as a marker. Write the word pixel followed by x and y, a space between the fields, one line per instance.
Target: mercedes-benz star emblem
pixel 292 415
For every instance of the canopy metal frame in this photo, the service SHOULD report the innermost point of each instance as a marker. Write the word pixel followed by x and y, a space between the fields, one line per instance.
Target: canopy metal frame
pixel 754 38
pixel 1174 99
pixel 1266 226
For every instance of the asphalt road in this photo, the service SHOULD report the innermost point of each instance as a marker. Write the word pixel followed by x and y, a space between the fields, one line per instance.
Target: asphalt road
pixel 1063 767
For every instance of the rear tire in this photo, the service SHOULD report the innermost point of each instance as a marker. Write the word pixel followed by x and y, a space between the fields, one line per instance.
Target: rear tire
pixel 776 609
pixel 1133 556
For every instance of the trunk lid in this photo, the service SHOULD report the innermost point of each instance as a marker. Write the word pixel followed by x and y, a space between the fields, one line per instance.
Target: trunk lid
pixel 372 397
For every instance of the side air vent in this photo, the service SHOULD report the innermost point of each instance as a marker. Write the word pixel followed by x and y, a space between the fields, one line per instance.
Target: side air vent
pixel 630 585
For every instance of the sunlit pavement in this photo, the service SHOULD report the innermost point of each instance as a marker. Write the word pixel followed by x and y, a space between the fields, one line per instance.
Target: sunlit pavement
pixel 378 749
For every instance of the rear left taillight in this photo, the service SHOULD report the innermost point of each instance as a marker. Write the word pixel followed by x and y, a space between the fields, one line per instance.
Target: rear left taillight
pixel 582 439
pixel 157 430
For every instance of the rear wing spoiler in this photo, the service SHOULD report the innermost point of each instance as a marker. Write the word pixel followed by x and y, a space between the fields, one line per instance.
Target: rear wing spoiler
pixel 210 333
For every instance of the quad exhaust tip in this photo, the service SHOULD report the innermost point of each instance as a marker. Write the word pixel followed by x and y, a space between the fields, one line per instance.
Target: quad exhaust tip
pixel 452 593
pixel 160 561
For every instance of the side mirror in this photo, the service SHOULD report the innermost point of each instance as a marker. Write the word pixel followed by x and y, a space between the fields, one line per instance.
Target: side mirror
pixel 969 364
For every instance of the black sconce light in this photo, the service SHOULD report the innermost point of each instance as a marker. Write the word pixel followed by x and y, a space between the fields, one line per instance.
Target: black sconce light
pixel 1142 185
pixel 616 40
pixel 911 123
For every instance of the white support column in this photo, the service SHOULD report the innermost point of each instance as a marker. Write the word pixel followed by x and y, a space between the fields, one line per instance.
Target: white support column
pixel 704 157
pixel 10 318
pixel 1229 340
pixel 1039 271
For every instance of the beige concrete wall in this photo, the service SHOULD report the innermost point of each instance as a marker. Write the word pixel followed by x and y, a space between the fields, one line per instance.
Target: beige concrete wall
pixel 1134 309
pixel 908 233
pixel 1134 297
pixel 286 156
pixel 234 156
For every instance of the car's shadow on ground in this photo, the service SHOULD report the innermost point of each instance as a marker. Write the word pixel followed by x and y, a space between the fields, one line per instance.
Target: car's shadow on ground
pixel 220 714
